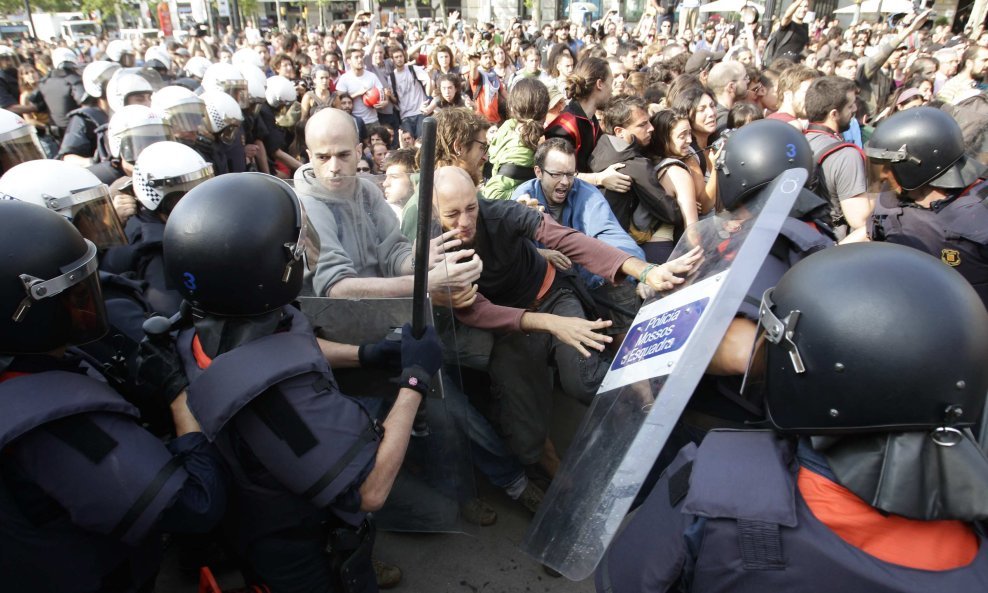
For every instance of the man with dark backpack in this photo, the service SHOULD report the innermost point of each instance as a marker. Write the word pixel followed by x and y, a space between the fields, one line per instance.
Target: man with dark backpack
pixel 841 176
pixel 409 90
pixel 791 37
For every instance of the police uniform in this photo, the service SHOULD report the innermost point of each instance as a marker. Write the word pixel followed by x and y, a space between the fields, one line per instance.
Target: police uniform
pixel 297 449
pixel 61 92
pixel 142 258
pixel 85 489
pixel 9 88
pixel 728 517
pixel 954 229
pixel 82 135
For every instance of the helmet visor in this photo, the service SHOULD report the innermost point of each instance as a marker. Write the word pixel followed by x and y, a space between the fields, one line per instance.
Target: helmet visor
pixel 307 246
pixel 135 140
pixel 186 118
pixel 229 133
pixel 288 115
pixel 22 148
pixel 882 185
pixel 173 188
pixel 96 219
pixel 238 90
pixel 78 296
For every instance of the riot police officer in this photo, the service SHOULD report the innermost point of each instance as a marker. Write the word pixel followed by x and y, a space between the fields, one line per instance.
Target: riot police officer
pixel 18 141
pixel 870 480
pixel 307 462
pixel 224 123
pixel 130 131
pixel 121 51
pixel 81 140
pixel 928 193
pixel 86 491
pixel 61 92
pixel 185 113
pixel 226 78
pixel 752 157
pixel 163 173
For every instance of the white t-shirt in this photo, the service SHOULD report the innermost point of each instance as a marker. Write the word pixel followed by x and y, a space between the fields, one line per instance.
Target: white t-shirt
pixel 353 85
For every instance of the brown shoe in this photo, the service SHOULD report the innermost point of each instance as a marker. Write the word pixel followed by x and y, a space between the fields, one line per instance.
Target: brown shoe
pixel 478 512
pixel 388 575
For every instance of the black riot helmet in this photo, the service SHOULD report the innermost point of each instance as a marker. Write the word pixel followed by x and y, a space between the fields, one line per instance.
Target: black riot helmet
pixel 923 146
pixel 871 337
pixel 235 244
pixel 756 154
pixel 49 287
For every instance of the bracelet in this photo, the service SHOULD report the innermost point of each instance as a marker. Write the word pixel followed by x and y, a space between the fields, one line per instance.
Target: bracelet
pixel 644 274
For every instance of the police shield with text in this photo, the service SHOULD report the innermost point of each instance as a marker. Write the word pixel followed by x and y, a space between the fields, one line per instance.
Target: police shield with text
pixel 655 372
pixel 870 479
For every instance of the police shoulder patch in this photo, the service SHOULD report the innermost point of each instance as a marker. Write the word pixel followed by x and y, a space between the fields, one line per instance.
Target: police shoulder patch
pixel 951 257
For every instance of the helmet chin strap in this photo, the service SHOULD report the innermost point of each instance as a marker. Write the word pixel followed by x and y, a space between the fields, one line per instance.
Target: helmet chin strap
pixel 884 470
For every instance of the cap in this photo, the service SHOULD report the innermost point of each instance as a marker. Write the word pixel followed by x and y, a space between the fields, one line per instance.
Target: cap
pixel 907 95
pixel 702 59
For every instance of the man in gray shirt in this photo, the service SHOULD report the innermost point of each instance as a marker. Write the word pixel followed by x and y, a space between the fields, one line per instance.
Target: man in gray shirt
pixel 841 173
pixel 409 90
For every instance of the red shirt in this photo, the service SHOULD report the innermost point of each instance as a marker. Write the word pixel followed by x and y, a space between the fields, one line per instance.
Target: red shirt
pixel 923 545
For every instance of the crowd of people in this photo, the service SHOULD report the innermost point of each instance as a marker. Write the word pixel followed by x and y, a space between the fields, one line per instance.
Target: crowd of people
pixel 153 350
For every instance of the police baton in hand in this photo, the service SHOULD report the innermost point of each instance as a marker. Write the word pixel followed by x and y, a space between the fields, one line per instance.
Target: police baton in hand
pixel 420 304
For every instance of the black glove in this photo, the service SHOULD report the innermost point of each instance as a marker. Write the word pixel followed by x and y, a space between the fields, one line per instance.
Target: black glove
pixel 421 358
pixel 385 355
pixel 158 362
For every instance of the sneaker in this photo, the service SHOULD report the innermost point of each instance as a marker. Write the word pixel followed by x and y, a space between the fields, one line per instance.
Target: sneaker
pixel 388 575
pixel 537 474
pixel 478 512
pixel 531 497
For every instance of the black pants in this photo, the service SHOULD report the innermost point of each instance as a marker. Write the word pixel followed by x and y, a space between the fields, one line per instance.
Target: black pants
pixel 523 376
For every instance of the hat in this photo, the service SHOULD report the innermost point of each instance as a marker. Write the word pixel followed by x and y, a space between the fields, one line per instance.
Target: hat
pixel 907 95
pixel 701 59
pixel 555 95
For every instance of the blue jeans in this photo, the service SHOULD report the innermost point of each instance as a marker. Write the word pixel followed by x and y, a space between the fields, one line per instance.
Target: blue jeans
pixel 413 124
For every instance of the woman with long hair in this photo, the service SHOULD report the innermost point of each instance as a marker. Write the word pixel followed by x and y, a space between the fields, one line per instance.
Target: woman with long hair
pixel 321 95
pixel 28 78
pixel 699 105
pixel 440 64
pixel 588 87
pixel 670 149
pixel 449 94
pixel 513 149
pixel 502 65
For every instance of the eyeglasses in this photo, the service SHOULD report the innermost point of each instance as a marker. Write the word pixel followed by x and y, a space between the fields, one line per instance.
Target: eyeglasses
pixel 557 175
pixel 484 145
pixel 363 169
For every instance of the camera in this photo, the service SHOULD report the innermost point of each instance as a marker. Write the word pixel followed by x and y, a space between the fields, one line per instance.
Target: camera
pixel 201 30
pixel 486 36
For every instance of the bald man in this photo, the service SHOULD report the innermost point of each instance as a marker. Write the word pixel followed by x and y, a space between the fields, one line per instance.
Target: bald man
pixel 362 251
pixel 543 317
pixel 363 254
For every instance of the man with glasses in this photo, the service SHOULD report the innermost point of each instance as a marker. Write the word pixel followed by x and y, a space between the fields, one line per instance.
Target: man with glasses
pixel 579 205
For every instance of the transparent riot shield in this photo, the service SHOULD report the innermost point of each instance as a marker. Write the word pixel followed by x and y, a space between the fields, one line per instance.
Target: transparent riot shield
pixel 361 292
pixel 650 381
